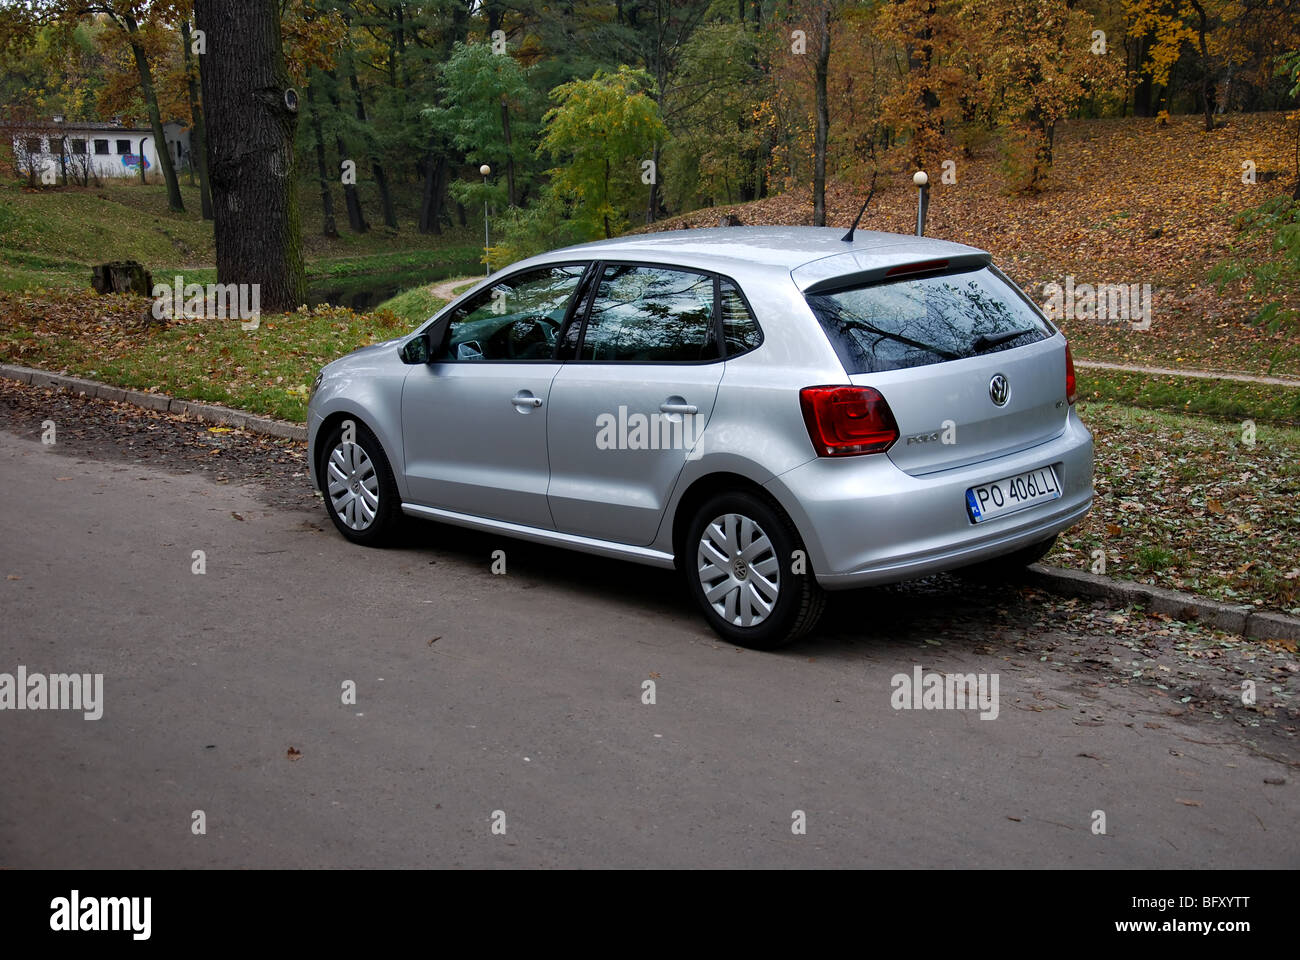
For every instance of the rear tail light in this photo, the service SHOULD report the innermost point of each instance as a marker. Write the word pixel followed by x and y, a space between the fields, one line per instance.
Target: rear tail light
pixel 847 421
pixel 1070 393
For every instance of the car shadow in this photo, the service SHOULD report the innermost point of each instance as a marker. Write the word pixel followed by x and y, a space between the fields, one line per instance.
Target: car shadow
pixel 940 609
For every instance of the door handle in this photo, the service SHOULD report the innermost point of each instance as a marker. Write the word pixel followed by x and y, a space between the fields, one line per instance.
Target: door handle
pixel 686 408
pixel 522 400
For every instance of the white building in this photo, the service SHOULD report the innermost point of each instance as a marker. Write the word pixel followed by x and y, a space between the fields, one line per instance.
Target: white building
pixel 78 147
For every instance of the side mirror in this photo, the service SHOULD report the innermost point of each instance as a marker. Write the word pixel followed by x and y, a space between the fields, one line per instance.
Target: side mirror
pixel 417 349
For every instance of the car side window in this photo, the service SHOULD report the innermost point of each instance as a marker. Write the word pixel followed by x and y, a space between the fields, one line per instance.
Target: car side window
pixel 740 331
pixel 517 318
pixel 650 314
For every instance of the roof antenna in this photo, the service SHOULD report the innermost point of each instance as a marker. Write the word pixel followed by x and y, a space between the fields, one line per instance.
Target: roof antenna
pixel 848 237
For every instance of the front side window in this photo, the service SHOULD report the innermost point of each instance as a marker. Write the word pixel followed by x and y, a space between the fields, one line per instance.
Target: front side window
pixel 517 318
pixel 924 320
pixel 650 314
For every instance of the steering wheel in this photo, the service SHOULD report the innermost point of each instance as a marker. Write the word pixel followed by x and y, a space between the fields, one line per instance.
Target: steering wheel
pixel 530 337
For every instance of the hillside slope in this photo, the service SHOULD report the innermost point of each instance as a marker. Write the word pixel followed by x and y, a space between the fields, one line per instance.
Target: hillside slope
pixel 1129 202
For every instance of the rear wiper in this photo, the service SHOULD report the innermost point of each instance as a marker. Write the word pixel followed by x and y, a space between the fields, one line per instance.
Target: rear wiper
pixel 897 338
pixel 986 340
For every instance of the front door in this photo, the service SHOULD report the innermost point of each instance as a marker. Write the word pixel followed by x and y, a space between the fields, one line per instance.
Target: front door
pixel 474 420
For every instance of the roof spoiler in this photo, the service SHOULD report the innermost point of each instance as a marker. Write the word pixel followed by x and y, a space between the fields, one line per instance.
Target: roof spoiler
pixel 859 269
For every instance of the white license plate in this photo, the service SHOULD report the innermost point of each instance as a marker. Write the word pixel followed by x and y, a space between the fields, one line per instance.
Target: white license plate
pixel 1000 497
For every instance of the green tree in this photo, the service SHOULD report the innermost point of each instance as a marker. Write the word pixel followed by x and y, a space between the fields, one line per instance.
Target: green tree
pixel 601 132
pixel 487 99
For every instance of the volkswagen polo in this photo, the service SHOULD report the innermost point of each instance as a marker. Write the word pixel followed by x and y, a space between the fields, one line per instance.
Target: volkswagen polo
pixel 775 412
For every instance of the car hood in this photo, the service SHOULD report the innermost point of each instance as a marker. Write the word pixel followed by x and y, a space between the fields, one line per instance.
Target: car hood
pixel 365 357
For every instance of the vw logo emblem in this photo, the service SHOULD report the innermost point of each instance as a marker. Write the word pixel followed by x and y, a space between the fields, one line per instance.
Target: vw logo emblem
pixel 999 389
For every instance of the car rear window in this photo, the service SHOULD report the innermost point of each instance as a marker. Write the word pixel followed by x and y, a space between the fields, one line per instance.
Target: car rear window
pixel 921 320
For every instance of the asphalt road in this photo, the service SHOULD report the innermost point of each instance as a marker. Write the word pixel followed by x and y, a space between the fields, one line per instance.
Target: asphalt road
pixel 522 693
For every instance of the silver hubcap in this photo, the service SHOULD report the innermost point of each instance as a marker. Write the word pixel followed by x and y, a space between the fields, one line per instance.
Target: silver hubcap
pixel 739 570
pixel 353 486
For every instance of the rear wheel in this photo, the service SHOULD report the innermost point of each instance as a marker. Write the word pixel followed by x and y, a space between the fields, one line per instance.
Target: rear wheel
pixel 360 494
pixel 746 567
pixel 1009 564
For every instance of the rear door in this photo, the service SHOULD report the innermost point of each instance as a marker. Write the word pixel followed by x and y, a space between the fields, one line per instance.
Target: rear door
pixel 630 407
pixel 474 420
pixel 970 368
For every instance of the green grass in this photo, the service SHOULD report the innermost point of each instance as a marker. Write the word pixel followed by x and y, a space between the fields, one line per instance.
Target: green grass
pixel 50 238
pixel 1228 399
pixel 414 305
pixel 268 370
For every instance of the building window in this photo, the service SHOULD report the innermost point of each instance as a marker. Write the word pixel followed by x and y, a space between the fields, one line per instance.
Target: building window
pixel 123 147
pixel 101 147
pixel 78 146
pixel 56 146
pixel 34 145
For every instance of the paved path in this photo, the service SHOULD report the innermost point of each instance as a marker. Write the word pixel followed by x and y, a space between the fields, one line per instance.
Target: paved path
pixel 446 289
pixel 1197 374
pixel 523 694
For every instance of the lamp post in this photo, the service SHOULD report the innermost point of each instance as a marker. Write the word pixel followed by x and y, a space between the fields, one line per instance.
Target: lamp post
pixel 922 181
pixel 486 171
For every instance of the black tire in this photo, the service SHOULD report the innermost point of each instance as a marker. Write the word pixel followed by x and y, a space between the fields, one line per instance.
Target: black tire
pixel 1010 564
pixel 799 600
pixel 381 529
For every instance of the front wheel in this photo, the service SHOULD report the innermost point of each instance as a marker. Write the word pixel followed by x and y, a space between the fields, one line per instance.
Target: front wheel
pixel 360 494
pixel 747 568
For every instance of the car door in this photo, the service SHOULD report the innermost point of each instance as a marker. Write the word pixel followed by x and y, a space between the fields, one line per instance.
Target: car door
pixel 474 419
pixel 631 405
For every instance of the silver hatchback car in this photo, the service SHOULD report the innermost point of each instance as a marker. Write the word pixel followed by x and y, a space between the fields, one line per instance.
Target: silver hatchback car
pixel 776 412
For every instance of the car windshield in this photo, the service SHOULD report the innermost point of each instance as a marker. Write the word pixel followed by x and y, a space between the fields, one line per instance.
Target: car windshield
pixel 922 320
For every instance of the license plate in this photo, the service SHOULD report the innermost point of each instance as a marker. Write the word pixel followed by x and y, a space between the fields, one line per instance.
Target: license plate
pixel 1001 497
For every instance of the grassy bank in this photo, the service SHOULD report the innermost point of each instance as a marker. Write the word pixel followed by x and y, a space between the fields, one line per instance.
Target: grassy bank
pixel 268 370
pixel 50 238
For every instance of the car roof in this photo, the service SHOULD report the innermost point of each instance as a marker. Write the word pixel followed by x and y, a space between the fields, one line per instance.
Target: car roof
pixel 784 247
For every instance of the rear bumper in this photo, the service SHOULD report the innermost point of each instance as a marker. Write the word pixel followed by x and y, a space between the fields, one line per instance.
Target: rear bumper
pixel 866 522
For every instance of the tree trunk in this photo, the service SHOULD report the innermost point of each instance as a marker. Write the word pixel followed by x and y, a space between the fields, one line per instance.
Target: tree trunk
pixel 652 201
pixel 251 125
pixel 1207 72
pixel 150 97
pixel 198 139
pixel 329 228
pixel 510 159
pixel 604 201
pixel 823 121
pixel 435 190
pixel 351 199
pixel 377 168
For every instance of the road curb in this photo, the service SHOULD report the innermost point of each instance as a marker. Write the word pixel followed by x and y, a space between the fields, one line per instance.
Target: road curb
pixel 207 412
pixel 1241 619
